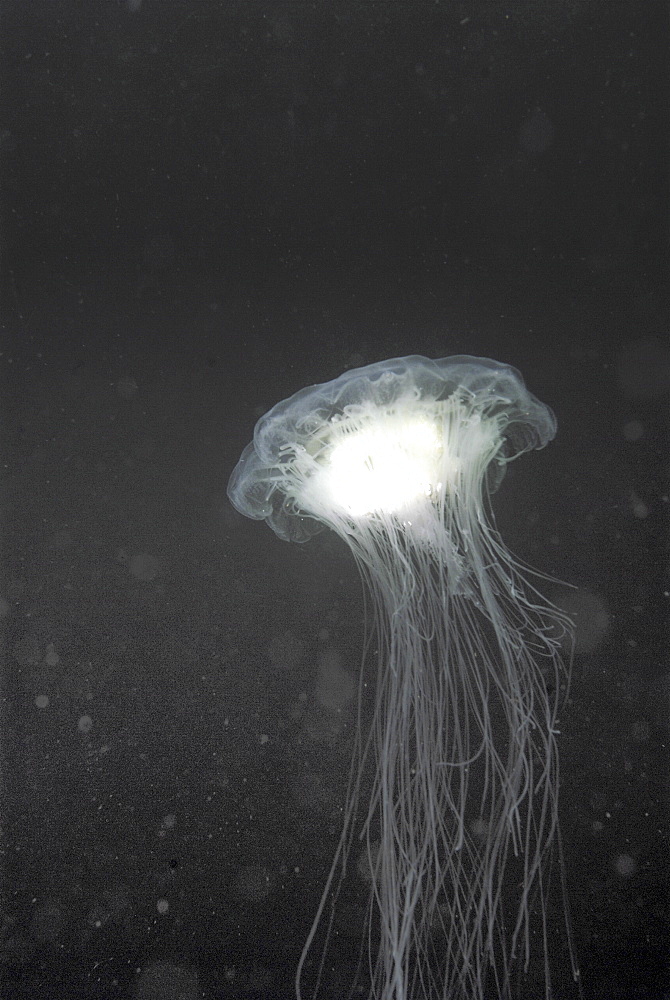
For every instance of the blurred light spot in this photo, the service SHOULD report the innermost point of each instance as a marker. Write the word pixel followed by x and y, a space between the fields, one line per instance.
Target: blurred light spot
pixel 48 922
pixel 166 981
pixel 367 861
pixel 625 865
pixel 127 387
pixel 633 430
pixel 144 567
pixel 643 369
pixel 479 829
pixel 335 686
pixel 639 508
pixel 51 658
pixel 536 133
pixel 254 883
pixel 286 651
pixel 640 731
pixel 590 614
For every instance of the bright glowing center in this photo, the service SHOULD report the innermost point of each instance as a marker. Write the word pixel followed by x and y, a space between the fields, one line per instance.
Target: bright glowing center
pixel 385 467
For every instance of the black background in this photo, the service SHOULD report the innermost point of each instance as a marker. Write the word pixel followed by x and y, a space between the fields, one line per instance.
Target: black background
pixel 206 206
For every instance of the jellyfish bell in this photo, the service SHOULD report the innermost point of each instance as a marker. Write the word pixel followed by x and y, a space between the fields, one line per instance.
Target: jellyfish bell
pixel 379 437
pixel 399 458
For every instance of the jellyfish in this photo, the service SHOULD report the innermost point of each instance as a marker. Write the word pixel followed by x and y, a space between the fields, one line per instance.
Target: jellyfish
pixel 460 817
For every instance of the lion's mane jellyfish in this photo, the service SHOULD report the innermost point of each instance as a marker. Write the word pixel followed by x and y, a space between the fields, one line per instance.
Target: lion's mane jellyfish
pixel 399 458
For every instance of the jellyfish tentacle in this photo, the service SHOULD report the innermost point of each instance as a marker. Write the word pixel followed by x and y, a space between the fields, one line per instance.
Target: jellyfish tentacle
pixel 400 459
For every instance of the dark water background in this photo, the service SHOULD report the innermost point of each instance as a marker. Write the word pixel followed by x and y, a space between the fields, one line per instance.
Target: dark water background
pixel 205 207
